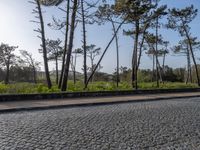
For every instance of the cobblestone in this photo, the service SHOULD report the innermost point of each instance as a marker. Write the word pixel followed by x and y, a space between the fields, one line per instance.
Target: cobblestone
pixel 165 125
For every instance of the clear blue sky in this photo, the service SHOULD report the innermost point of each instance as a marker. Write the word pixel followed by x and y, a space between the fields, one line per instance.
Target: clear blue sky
pixel 16 29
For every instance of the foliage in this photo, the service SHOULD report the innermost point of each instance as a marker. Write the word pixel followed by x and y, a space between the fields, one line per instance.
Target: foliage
pixel 179 19
pixel 166 85
pixel 25 88
pixel 3 88
pixel 29 88
pixel 7 58
pixel 54 50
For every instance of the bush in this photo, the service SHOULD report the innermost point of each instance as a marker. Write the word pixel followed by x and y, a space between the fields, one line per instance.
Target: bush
pixel 26 88
pixel 3 88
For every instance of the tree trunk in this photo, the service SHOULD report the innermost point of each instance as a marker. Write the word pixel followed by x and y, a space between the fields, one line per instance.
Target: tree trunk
pixel 92 67
pixel 195 65
pixel 134 58
pixel 56 70
pixel 153 69
pixel 74 72
pixel 71 39
pixel 156 52
pixel 159 71
pixel 110 42
pixel 84 46
pixel 192 53
pixel 117 51
pixel 46 67
pixel 141 45
pixel 164 63
pixel 7 73
pixel 74 75
pixel 189 71
pixel 157 61
pixel 66 42
pixel 34 75
pixel 140 52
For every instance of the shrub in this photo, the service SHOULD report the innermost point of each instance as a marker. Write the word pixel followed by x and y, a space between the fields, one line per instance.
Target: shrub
pixel 3 88
pixel 26 88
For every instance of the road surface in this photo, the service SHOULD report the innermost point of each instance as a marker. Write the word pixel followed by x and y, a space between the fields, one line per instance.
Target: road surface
pixel 167 124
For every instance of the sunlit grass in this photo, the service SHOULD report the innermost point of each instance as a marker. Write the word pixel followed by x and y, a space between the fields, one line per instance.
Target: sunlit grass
pixel 26 88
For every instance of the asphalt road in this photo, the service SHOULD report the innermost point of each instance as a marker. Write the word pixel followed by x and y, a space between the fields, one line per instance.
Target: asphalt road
pixel 169 124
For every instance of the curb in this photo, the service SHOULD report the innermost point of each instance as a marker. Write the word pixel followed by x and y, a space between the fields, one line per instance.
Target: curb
pixel 66 95
pixel 39 108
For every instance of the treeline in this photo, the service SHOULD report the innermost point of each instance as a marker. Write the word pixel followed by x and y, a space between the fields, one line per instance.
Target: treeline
pixel 147 75
pixel 145 18
pixel 17 68
pixel 24 73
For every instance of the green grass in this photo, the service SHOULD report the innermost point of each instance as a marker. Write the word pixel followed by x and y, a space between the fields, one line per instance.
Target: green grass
pixel 26 88
pixel 167 85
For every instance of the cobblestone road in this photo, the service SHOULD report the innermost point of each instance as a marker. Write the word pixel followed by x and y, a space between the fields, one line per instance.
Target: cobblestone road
pixel 170 124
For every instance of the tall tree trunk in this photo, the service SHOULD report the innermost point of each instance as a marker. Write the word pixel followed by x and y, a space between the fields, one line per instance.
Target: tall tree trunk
pixel 159 69
pixel 84 46
pixel 189 71
pixel 105 50
pixel 46 67
pixel 195 65
pixel 141 44
pixel 34 75
pixel 74 70
pixel 190 68
pixel 192 54
pixel 135 56
pixel 7 73
pixel 153 68
pixel 140 51
pixel 188 76
pixel 74 76
pixel 56 70
pixel 117 51
pixel 92 67
pixel 156 53
pixel 65 45
pixel 71 39
pixel 164 63
pixel 155 59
